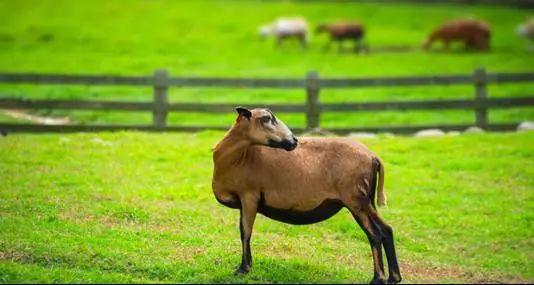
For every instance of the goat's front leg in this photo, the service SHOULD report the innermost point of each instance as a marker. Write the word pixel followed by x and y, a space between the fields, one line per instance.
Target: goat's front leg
pixel 249 208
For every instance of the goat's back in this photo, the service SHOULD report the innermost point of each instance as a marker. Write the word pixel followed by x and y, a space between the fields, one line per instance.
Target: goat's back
pixel 354 30
pixel 316 170
pixel 463 29
pixel 321 161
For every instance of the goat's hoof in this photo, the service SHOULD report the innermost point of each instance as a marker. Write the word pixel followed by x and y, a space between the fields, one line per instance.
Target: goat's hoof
pixel 394 278
pixel 378 280
pixel 243 269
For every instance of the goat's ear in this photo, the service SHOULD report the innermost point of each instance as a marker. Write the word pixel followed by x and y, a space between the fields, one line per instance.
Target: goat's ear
pixel 244 112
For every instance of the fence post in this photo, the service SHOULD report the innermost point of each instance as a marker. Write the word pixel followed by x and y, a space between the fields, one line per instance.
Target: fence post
pixel 481 94
pixel 312 103
pixel 159 113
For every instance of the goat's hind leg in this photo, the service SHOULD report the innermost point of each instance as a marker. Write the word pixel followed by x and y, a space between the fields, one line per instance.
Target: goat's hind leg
pixel 374 234
pixel 379 234
pixel 389 247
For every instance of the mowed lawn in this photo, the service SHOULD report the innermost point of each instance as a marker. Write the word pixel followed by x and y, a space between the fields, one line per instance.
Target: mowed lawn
pixel 135 38
pixel 138 207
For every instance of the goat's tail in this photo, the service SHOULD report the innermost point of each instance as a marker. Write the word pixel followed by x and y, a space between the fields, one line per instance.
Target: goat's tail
pixel 378 168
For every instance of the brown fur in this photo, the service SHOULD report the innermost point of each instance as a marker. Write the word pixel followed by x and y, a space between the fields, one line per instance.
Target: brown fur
pixel 474 34
pixel 342 31
pixel 250 176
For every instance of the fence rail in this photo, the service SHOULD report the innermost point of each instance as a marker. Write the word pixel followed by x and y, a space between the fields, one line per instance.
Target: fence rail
pixel 295 83
pixel 312 84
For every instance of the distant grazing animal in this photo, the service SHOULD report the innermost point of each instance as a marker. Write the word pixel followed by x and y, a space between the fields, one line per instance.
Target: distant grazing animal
pixel 526 30
pixel 284 28
pixel 474 34
pixel 260 167
pixel 343 31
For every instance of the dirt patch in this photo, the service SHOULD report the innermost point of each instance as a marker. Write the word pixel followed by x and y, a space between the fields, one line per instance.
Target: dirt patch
pixel 434 274
pixel 17 114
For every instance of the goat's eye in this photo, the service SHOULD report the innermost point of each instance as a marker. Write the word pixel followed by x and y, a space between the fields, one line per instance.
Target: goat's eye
pixel 265 119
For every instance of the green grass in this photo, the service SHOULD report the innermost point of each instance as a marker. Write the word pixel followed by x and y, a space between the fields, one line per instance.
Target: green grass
pixel 137 207
pixel 133 207
pixel 101 37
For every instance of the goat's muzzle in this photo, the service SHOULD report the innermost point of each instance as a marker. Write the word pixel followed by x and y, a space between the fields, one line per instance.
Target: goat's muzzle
pixel 286 144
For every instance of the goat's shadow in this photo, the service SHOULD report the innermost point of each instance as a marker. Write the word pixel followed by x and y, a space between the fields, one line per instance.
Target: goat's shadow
pixel 271 270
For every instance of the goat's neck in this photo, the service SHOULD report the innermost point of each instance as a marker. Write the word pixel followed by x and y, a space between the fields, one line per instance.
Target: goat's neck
pixel 231 151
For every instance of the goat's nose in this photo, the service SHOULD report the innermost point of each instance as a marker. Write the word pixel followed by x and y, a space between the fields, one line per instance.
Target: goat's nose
pixel 295 139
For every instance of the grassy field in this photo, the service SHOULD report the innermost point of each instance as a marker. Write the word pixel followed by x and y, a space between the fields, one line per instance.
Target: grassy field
pixel 95 37
pixel 137 207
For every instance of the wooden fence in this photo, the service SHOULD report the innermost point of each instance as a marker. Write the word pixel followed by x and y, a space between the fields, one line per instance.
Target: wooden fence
pixel 312 84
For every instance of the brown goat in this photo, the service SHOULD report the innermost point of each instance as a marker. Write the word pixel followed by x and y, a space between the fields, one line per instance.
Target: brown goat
pixel 258 168
pixel 342 31
pixel 474 34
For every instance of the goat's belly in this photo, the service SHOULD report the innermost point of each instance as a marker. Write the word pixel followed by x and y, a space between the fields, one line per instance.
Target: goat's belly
pixel 325 210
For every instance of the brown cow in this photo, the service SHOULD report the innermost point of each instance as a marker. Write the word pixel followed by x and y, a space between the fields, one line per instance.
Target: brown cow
pixel 475 34
pixel 342 31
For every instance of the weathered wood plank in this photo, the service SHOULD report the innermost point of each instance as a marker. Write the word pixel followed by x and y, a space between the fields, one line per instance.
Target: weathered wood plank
pixel 481 94
pixel 422 80
pixel 395 81
pixel 278 83
pixel 149 80
pixel 413 129
pixel 160 98
pixel 509 77
pixel 237 82
pixel 74 79
pixel 17 103
pixel 493 103
pixel 31 128
pixel 229 107
pixel 313 111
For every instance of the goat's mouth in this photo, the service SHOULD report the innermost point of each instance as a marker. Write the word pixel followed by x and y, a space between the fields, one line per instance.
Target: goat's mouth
pixel 284 144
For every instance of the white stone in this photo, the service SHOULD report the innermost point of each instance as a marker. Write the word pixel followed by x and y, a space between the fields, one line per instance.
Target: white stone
pixel 362 135
pixel 429 133
pixel 473 130
pixel 453 133
pixel 526 126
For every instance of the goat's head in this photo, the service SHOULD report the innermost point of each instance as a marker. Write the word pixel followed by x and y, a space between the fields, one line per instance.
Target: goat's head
pixel 522 30
pixel 260 126
pixel 265 31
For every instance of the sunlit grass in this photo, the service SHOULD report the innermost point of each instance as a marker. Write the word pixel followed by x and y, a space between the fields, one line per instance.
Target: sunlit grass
pixel 137 207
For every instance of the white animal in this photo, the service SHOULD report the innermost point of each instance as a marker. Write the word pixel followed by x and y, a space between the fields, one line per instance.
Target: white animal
pixel 286 27
pixel 526 30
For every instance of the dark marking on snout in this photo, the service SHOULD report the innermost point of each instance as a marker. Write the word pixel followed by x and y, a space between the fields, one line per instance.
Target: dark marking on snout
pixel 284 144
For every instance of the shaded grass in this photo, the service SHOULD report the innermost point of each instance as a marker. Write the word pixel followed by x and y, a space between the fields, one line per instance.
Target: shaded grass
pixel 137 207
